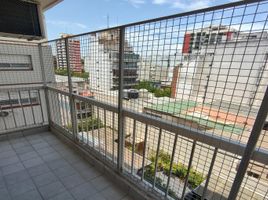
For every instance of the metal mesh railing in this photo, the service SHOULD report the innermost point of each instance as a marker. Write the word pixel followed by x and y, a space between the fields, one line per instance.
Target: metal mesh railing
pixel 175 104
pixel 206 70
pixel 22 108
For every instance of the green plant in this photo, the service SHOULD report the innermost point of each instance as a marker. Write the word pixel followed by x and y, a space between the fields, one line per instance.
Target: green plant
pixel 179 170
pixel 166 92
pixel 163 161
pixel 149 176
pixel 64 72
pixel 195 178
pixel 145 85
pixel 89 124
pixel 166 168
pixel 152 155
pixel 149 170
pixel 163 157
pixel 84 75
pixel 158 92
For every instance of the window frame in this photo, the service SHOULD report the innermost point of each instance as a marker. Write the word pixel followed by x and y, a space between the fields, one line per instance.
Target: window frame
pixel 10 68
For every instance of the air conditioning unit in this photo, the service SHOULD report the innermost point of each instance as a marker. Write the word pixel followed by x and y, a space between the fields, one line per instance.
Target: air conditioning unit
pixel 21 19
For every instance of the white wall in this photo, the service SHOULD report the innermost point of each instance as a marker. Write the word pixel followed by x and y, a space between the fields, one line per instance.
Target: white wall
pixel 230 74
pixel 27 76
pixel 99 66
pixel 145 70
pixel 25 79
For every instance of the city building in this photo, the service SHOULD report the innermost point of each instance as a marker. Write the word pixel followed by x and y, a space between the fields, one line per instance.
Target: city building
pixel 218 89
pixel 219 63
pixel 103 60
pixel 158 69
pixel 163 75
pixel 214 81
pixel 198 38
pixel 73 51
pixel 146 70
pixel 208 141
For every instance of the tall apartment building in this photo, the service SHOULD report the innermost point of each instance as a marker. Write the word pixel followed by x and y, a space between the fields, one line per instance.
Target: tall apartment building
pixel 194 40
pixel 215 67
pixel 146 70
pixel 158 69
pixel 74 54
pixel 103 63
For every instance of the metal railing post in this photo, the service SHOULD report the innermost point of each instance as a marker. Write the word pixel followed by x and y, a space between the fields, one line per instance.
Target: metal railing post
pixel 44 83
pixel 188 170
pixel 121 137
pixel 71 97
pixel 251 145
pixel 209 173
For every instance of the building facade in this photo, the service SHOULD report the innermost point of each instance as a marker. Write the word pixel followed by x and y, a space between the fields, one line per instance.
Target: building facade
pixel 230 68
pixel 103 63
pixel 194 40
pixel 74 54
pixel 158 69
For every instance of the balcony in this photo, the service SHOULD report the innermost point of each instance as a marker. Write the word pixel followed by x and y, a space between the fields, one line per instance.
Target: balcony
pixel 202 135
pixel 40 166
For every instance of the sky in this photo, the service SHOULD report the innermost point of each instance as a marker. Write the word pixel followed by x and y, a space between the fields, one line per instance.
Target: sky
pixel 79 16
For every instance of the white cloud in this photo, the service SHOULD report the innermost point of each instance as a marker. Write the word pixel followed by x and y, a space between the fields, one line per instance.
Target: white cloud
pixel 136 3
pixel 66 24
pixel 184 4
pixel 249 27
pixel 160 2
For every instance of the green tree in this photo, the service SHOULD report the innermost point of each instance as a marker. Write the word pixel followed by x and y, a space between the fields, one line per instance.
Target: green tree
pixel 64 72
pixel 158 92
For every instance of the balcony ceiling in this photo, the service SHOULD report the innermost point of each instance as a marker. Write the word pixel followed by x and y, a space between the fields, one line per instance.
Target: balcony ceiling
pixel 47 4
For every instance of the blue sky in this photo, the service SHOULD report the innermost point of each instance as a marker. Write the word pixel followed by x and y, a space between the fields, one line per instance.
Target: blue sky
pixel 78 16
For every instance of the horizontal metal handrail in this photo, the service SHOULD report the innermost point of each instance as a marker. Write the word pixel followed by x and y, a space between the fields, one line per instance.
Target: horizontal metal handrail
pixel 229 145
pixel 58 90
pixel 9 89
pixel 88 100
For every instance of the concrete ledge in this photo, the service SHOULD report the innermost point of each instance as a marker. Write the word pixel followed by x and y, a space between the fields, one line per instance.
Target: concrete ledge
pixel 24 132
pixel 135 188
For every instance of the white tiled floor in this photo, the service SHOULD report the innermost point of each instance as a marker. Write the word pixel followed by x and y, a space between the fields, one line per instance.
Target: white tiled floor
pixel 40 166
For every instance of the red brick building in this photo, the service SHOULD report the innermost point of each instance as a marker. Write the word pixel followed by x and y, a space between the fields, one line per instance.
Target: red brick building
pixel 74 54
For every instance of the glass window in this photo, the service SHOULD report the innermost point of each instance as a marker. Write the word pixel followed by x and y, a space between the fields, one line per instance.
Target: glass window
pixel 15 62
